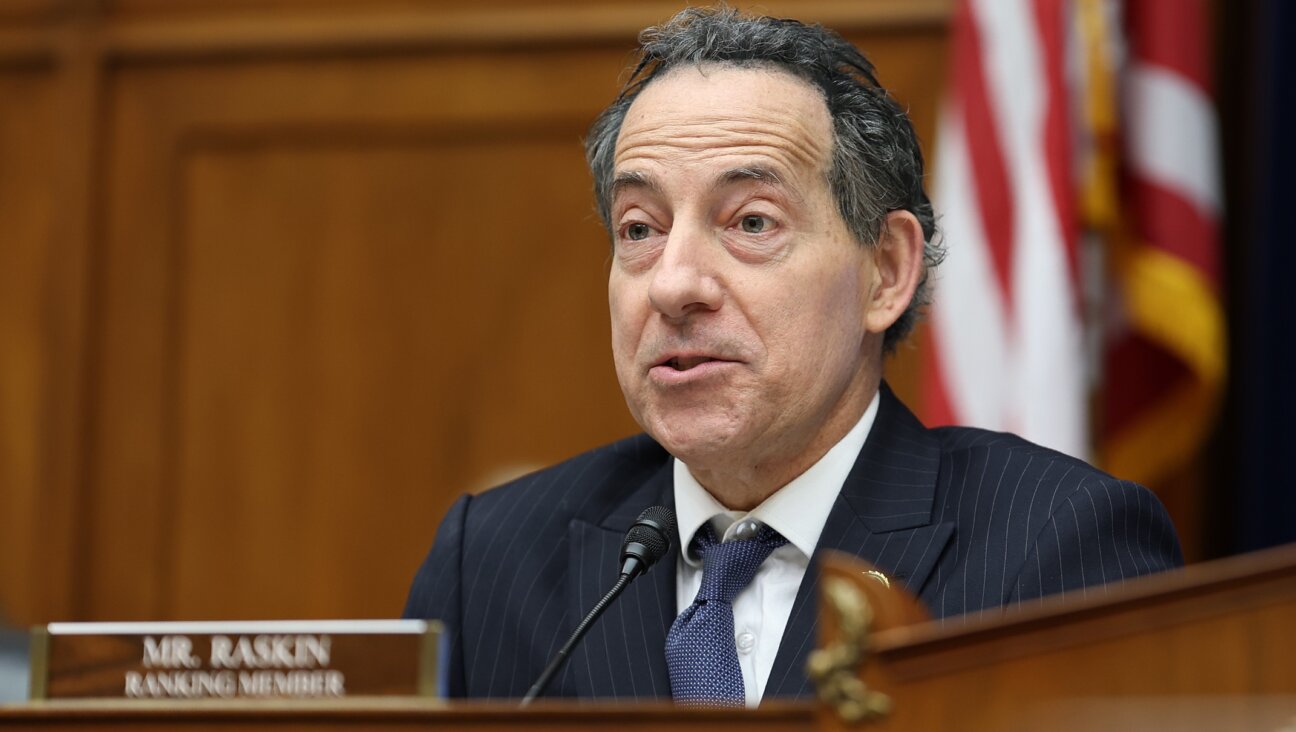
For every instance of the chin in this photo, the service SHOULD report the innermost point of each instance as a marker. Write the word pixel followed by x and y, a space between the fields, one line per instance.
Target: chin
pixel 697 443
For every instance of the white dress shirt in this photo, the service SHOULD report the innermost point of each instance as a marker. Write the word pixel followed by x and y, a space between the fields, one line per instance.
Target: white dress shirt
pixel 798 511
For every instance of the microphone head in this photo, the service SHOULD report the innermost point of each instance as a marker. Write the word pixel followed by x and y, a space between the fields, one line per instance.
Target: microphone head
pixel 649 538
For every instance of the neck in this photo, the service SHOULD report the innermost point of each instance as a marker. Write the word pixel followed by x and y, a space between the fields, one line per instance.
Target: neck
pixel 740 490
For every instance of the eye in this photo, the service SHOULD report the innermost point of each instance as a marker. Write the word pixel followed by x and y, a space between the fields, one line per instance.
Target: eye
pixel 754 224
pixel 637 232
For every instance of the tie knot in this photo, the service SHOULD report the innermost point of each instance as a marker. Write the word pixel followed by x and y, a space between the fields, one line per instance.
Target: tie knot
pixel 728 567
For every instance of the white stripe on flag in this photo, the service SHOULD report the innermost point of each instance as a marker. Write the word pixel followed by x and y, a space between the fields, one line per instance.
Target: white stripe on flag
pixel 1172 135
pixel 968 320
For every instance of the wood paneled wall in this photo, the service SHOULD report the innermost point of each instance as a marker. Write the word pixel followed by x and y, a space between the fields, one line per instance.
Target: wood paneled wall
pixel 280 279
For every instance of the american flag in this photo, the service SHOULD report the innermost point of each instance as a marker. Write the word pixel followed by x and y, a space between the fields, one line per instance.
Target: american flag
pixel 1078 184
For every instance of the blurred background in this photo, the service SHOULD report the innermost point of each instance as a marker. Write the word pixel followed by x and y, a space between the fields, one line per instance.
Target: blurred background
pixel 279 279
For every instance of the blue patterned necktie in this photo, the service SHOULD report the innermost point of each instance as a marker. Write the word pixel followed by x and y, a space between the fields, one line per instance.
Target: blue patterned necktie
pixel 700 650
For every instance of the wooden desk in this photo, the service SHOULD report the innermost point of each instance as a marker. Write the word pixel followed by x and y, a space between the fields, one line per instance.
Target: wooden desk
pixel 399 714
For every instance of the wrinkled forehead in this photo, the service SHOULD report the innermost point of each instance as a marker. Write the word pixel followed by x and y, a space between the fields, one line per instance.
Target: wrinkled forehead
pixel 760 110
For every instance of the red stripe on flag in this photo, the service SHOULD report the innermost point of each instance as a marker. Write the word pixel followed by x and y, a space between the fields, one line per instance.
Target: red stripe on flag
pixel 1168 222
pixel 1057 131
pixel 936 406
pixel 1172 34
pixel 993 192
pixel 1144 374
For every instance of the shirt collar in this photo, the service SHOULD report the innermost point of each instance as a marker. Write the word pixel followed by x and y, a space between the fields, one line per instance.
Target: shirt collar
pixel 798 510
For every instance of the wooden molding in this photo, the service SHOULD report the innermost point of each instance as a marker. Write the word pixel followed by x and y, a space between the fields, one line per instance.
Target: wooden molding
pixel 395 31
pixel 27 48
pixel 1215 589
pixel 228 35
pixel 398 713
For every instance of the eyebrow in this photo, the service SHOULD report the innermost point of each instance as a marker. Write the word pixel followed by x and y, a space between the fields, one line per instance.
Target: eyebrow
pixel 633 179
pixel 762 175
pixel 759 173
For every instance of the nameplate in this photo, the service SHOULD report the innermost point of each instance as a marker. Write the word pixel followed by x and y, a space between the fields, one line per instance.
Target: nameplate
pixel 308 659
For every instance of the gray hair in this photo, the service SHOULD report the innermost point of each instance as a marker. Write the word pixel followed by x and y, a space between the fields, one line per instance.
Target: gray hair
pixel 877 166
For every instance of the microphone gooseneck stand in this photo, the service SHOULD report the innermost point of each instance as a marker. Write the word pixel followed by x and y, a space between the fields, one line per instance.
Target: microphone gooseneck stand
pixel 547 675
pixel 647 541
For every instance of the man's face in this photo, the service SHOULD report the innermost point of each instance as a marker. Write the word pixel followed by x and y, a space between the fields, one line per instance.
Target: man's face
pixel 738 297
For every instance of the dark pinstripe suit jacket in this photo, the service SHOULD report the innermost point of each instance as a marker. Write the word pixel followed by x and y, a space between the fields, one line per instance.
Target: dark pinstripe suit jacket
pixel 968 519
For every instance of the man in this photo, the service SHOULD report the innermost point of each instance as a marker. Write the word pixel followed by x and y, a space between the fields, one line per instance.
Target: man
pixel 771 240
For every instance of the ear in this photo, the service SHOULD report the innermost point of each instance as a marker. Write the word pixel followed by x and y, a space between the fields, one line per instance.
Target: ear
pixel 898 267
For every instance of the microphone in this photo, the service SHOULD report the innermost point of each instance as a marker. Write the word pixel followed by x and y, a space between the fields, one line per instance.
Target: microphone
pixel 645 543
pixel 647 540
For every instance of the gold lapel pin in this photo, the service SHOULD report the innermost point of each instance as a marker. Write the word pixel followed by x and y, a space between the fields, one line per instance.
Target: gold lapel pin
pixel 873 573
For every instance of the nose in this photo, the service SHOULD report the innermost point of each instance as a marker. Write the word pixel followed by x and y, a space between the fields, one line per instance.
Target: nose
pixel 684 279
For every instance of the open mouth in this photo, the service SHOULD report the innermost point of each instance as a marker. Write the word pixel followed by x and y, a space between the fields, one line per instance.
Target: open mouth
pixel 684 363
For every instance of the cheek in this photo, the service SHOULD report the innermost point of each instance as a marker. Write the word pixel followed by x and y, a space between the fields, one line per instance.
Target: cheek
pixel 822 322
pixel 626 321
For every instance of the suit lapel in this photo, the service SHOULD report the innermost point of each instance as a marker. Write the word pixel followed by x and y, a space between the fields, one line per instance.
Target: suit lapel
pixel 882 515
pixel 622 654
